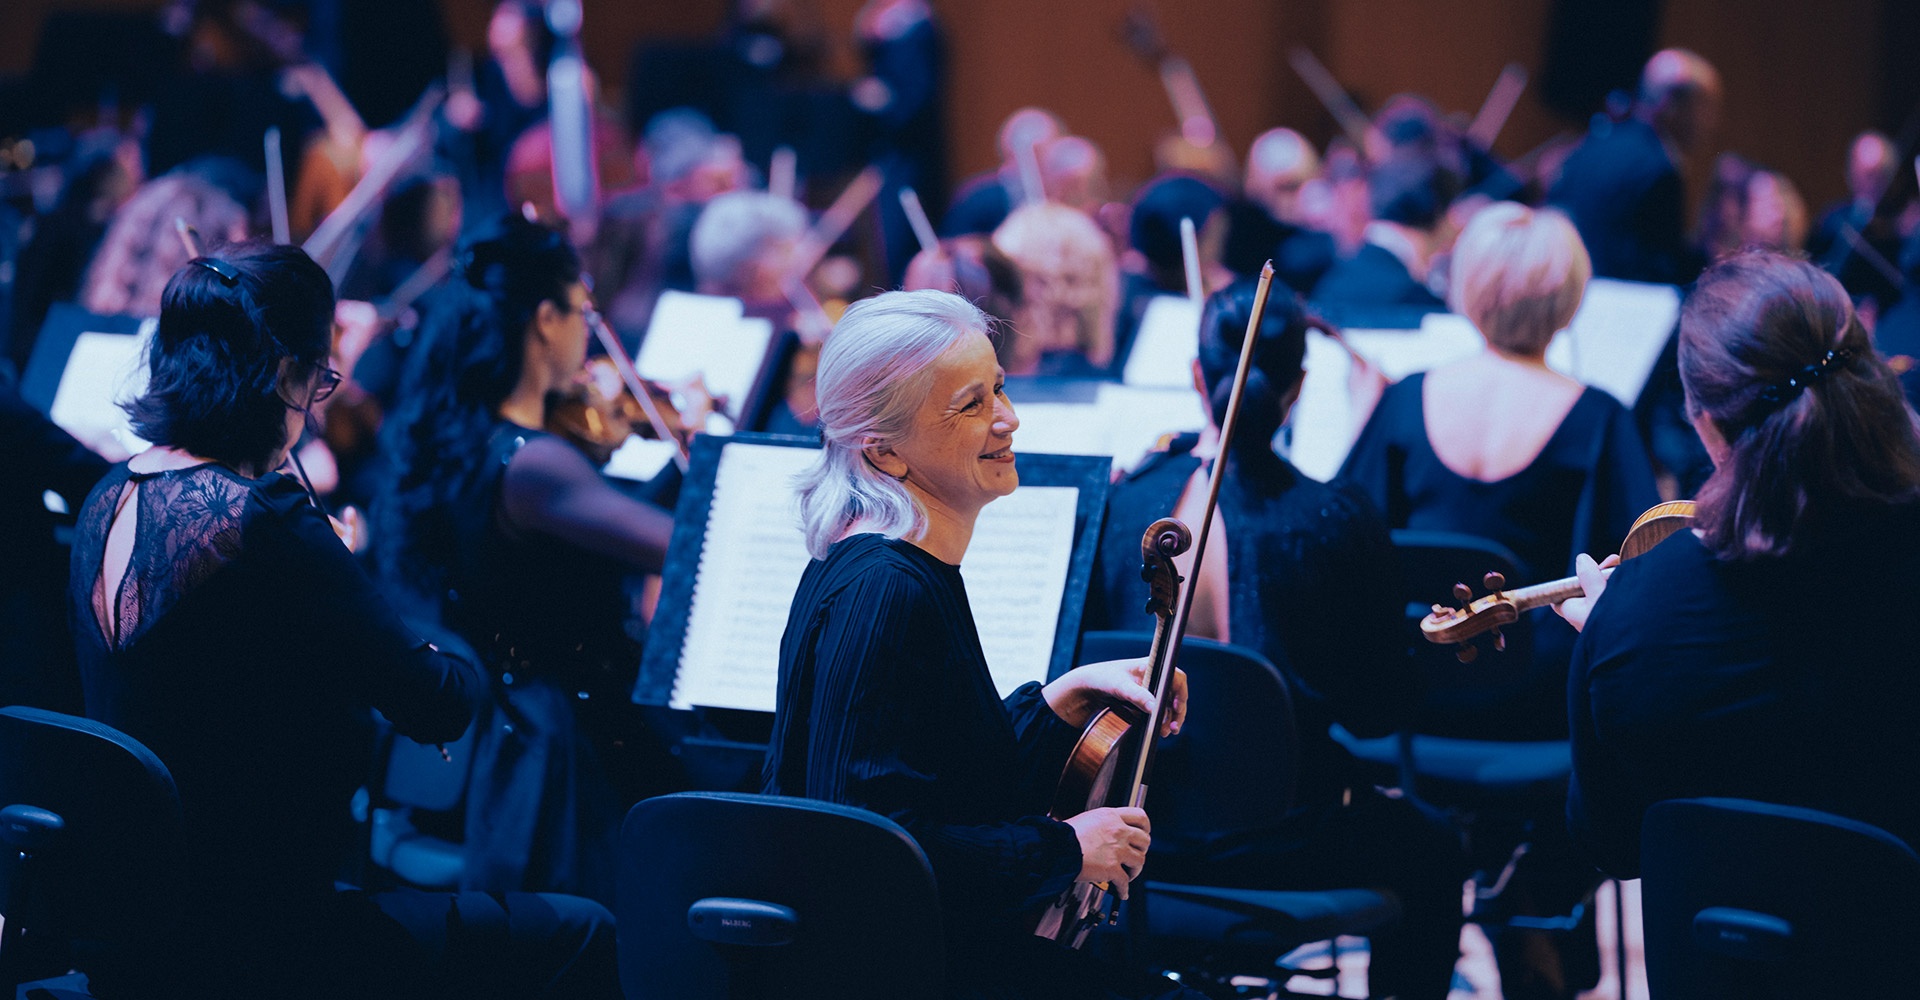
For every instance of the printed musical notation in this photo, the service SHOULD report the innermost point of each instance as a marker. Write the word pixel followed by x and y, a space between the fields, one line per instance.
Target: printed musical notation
pixel 753 556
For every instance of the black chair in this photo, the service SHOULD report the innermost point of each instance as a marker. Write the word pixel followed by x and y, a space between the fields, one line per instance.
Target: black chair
pixel 417 798
pixel 1228 778
pixel 736 896
pixel 1752 900
pixel 92 868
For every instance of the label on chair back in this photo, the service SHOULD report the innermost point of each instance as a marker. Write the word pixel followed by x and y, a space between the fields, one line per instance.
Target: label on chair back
pixel 749 922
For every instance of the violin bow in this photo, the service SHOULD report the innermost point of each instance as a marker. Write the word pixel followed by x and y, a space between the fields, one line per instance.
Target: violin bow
pixel 630 377
pixel 1163 681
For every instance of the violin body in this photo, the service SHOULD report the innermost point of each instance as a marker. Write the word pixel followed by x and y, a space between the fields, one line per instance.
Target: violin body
pixel 1111 745
pixel 598 413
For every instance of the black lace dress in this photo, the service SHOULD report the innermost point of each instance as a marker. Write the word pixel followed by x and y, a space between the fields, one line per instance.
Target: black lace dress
pixel 244 646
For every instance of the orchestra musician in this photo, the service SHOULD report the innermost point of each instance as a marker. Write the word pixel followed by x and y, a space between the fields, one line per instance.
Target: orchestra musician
pixel 1302 572
pixel 884 699
pixel 220 622
pixel 1759 655
pixel 510 536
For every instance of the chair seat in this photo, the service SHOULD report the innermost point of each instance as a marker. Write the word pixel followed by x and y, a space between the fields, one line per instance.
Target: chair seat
pixel 1486 765
pixel 423 860
pixel 1261 920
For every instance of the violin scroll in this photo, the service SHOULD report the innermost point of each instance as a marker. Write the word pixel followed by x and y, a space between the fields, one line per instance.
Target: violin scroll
pixel 1473 617
pixel 1164 539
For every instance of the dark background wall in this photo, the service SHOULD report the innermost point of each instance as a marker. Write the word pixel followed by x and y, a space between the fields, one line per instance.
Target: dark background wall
pixel 1801 78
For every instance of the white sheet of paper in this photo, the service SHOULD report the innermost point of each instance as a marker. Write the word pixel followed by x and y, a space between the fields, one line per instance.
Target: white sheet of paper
pixel 754 555
pixel 640 459
pixel 1322 422
pixel 1166 344
pixel 1136 418
pixel 1617 336
pixel 708 336
pixel 749 568
pixel 1016 572
pixel 104 370
pixel 1059 429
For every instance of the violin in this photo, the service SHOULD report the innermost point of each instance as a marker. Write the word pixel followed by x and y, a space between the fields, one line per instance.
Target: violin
pixel 1502 607
pixel 609 402
pixel 1112 760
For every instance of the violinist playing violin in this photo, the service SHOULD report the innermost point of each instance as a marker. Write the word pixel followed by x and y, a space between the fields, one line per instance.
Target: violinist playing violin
pixel 510 536
pixel 885 701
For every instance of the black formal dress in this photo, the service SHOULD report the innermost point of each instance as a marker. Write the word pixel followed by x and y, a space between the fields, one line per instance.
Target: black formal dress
pixel 1580 494
pixel 1787 681
pixel 244 646
pixel 1625 195
pixel 1373 276
pixel 564 753
pixel 1310 570
pixel 885 703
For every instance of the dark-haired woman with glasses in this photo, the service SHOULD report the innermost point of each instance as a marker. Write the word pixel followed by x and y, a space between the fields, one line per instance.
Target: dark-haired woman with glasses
pixel 1763 654
pixel 221 622
pixel 513 538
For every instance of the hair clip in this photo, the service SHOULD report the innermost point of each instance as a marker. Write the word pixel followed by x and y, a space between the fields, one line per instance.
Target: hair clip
pixel 1806 376
pixel 228 274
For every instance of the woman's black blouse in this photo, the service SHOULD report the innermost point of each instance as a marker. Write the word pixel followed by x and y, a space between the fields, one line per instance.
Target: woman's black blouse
pixel 1789 681
pixel 1580 494
pixel 250 646
pixel 885 703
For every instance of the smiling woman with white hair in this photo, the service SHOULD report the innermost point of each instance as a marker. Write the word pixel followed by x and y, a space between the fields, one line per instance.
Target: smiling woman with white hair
pixel 885 699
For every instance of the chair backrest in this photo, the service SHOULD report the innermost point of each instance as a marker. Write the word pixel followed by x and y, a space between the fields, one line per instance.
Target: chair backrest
pixel 111 881
pixel 1753 900
pixel 1431 562
pixel 724 895
pixel 1231 771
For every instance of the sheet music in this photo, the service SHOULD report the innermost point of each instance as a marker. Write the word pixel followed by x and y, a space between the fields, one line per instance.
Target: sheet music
pixel 754 554
pixel 1321 426
pixel 1124 422
pixel 1016 571
pixel 104 370
pixel 1135 418
pixel 750 565
pixel 705 335
pixel 640 459
pixel 1617 336
pixel 1166 344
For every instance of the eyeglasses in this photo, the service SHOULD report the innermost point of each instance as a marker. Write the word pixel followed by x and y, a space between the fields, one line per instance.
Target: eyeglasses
pixel 329 381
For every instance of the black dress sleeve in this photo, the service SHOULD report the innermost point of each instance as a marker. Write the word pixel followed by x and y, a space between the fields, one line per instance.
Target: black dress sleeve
pixel 871 700
pixel 1376 465
pixel 1043 739
pixel 550 488
pixel 427 695
pixel 1619 485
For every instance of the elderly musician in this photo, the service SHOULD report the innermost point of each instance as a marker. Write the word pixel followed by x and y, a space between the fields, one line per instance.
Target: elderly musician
pixel 885 701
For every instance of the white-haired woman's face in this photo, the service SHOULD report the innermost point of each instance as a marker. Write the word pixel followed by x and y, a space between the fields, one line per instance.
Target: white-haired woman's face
pixel 959 453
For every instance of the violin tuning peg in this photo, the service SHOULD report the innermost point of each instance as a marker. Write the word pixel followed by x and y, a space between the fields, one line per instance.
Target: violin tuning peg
pixel 1495 582
pixel 1499 641
pixel 1441 609
pixel 1467 653
pixel 1462 593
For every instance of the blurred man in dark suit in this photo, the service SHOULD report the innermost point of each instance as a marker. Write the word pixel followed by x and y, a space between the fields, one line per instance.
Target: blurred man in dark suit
pixel 1623 188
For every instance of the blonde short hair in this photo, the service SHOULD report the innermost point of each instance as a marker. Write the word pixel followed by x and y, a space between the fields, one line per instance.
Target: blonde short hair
pixel 1519 274
pixel 1065 259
